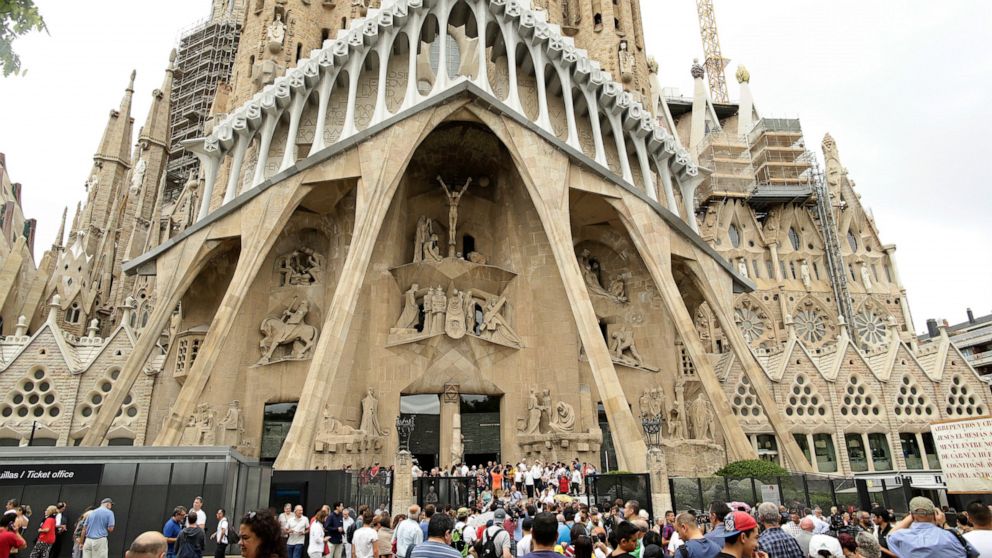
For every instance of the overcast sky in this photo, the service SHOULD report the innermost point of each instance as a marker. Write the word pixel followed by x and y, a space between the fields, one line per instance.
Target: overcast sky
pixel 904 87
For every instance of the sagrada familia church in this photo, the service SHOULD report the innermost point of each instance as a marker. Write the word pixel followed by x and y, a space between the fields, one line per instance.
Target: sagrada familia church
pixel 485 215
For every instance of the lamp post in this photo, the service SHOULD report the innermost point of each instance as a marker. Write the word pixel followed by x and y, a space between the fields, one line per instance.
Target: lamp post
pixel 652 430
pixel 404 428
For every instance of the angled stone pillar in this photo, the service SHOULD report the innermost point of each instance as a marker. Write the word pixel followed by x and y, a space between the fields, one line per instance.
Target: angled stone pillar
pixel 262 221
pixel 545 172
pixel 176 271
pixel 753 370
pixel 650 236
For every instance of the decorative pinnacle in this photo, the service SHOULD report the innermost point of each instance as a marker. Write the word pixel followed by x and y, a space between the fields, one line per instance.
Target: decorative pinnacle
pixel 130 85
pixel 172 56
pixel 743 76
pixel 697 70
pixel 652 65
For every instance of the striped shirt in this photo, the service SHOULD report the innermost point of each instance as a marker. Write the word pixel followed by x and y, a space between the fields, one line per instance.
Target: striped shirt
pixel 431 549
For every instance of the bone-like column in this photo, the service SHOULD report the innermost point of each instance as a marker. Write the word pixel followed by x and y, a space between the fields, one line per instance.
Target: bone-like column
pixel 592 105
pixel 210 163
pixel 323 99
pixel 566 92
pixel 296 107
pixel 383 48
pixel 269 124
pixel 621 143
pixel 646 174
pixel 537 56
pixel 412 30
pixel 354 72
pixel 510 38
pixel 666 180
pixel 481 9
pixel 244 138
pixel 441 79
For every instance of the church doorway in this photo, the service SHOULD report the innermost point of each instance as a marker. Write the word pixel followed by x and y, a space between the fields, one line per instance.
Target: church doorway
pixel 480 428
pixel 276 421
pixel 425 441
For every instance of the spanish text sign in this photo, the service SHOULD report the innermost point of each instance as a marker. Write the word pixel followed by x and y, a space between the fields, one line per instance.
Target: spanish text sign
pixel 965 450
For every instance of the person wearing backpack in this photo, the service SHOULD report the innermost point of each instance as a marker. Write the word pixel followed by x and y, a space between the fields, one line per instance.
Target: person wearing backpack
pixel 495 541
pixel 192 540
pixel 695 544
pixel 440 533
pixel 543 536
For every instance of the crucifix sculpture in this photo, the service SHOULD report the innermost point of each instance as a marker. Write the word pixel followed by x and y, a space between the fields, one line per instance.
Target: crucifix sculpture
pixel 454 196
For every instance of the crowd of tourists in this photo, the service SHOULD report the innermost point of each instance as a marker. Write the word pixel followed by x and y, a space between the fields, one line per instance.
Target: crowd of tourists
pixel 516 482
pixel 512 525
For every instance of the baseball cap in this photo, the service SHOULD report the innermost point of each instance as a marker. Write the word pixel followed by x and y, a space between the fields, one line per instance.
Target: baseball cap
pixel 109 501
pixel 499 515
pixel 738 522
pixel 817 544
pixel 922 505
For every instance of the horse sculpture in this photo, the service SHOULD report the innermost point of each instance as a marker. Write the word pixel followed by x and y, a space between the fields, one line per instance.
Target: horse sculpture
pixel 276 332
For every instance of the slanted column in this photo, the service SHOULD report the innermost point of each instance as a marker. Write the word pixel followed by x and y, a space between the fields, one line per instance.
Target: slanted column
pixel 646 175
pixel 323 99
pixel 510 40
pixel 412 30
pixel 244 135
pixel 269 125
pixel 354 71
pixel 537 56
pixel 383 48
pixel 481 9
pixel 442 12
pixel 210 159
pixel 666 180
pixel 296 107
pixel 688 187
pixel 592 104
pixel 566 91
pixel 621 143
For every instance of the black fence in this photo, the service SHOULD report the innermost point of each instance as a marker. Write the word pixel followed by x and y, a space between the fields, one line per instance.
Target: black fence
pixel 144 483
pixel 458 492
pixel 793 491
pixel 604 490
pixel 312 489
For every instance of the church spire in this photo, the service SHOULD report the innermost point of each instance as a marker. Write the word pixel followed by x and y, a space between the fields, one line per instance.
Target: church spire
pixel 116 142
pixel 156 128
pixel 61 234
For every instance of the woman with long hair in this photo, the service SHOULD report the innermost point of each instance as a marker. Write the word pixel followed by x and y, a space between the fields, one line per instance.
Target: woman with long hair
pixel 46 534
pixel 77 533
pixel 260 536
pixel 318 540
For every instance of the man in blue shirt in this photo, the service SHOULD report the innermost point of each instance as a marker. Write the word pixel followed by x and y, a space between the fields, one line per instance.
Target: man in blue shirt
pixel 718 514
pixel 920 534
pixel 172 528
pixel 565 528
pixel 99 524
pixel 696 545
pixel 438 542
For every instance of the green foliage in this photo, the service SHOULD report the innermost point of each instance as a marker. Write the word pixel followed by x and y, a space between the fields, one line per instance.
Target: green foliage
pixel 17 17
pixel 753 468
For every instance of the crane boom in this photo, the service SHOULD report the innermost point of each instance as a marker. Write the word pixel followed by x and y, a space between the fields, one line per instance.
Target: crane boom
pixel 715 62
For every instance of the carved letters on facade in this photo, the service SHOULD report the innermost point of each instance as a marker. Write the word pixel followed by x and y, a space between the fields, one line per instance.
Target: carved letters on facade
pixel 288 329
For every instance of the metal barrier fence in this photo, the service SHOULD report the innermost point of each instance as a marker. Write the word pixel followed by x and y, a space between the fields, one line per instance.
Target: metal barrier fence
pixel 604 490
pixel 458 492
pixel 793 491
pixel 312 489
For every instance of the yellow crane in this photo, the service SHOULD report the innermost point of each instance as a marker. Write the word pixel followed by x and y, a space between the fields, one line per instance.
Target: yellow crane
pixel 715 62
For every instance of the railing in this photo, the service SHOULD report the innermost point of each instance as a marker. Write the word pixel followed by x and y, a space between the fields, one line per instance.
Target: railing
pixel 629 123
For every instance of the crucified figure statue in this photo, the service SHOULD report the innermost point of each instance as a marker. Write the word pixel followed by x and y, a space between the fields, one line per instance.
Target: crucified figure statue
pixel 453 198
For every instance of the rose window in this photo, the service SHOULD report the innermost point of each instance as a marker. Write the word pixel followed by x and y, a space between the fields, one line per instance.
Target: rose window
pixel 871 328
pixel 810 326
pixel 750 322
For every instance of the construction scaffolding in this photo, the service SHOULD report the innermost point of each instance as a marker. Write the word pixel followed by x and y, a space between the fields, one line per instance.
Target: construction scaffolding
pixel 728 158
pixel 205 57
pixel 779 154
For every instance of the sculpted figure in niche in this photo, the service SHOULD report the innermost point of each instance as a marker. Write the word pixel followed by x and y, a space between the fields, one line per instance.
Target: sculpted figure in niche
pixel 410 318
pixel 477 258
pixel 454 323
pixel 370 415
pixel 432 250
pixel 590 272
pixel 454 197
pixel 865 276
pixel 300 267
pixel 199 430
pixel 138 176
pixel 438 309
pixel 494 326
pixel 276 33
pixel 422 238
pixel 804 274
pixel 618 287
pixel 742 267
pixel 626 62
pixel 564 418
pixel 652 402
pixel 623 349
pixel 532 424
pixel 675 429
pixel 702 418
pixel 187 205
pixel 286 329
pixel 233 424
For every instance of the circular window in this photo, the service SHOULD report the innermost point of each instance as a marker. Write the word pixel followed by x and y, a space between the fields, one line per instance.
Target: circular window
pixel 744 412
pixel 97 399
pixel 38 411
pixel 843 411
pixel 105 387
pixel 898 410
pixel 7 411
pixel 28 386
pixel 799 411
pixel 132 412
pixel 39 374
pixel 44 386
pixel 800 380
pixel 49 399
pixel 87 411
pixel 33 399
pixel 54 411
pixel 127 400
pixel 114 374
pixel 17 399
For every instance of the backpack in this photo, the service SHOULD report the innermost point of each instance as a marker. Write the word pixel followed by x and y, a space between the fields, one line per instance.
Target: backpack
pixel 350 534
pixel 486 548
pixel 458 541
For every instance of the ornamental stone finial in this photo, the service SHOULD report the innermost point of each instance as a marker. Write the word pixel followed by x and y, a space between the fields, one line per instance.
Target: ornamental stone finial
pixel 743 76
pixel 130 85
pixel 652 65
pixel 697 70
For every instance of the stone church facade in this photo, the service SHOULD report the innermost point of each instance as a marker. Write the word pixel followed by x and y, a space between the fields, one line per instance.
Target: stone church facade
pixel 395 218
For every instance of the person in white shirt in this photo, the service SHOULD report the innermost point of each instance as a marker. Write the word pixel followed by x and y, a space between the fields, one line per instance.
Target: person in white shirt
pixel 346 522
pixel 980 535
pixel 298 525
pixel 365 542
pixel 576 482
pixel 523 547
pixel 317 538
pixel 820 525
pixel 408 532
pixel 284 517
pixel 201 516
pixel 220 535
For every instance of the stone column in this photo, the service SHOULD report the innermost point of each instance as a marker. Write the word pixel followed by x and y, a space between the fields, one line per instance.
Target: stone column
pixel 402 481
pixel 450 420
pixel 661 497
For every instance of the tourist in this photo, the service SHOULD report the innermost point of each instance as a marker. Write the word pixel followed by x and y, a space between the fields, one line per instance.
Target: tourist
pixel 335 529
pixel 882 519
pixel 297 526
pixel 192 540
pixel 260 536
pixel 318 540
pixel 667 528
pixel 626 535
pixel 77 533
pixel 46 534
pixel 566 520
pixel 631 510
pixel 774 541
pixel 385 532
pixel 826 545
pixel 425 520
pixel 718 515
pixel 867 546
pixel 22 515
pixel 99 525
pixel 438 543
pixel 173 526
pixel 805 535
pixel 695 544
pixel 525 545
pixel 980 535
pixel 496 535
pixel 150 544
pixel 347 521
pixel 61 528
pixel 365 543
pixel 9 538
pixel 920 534
pixel 820 523
pixel 791 526
pixel 651 545
pixel 220 535
pixel 10 508
pixel 201 516
pixel 284 517
pixel 408 533
pixel 740 537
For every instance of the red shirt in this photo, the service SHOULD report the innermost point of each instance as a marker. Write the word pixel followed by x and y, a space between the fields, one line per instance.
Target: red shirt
pixel 8 540
pixel 48 537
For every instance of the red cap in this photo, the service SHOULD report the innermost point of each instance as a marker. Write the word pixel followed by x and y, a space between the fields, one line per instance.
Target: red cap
pixel 738 522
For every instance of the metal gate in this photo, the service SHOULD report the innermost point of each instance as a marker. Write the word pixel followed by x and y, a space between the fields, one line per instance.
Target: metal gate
pixel 604 490
pixel 458 492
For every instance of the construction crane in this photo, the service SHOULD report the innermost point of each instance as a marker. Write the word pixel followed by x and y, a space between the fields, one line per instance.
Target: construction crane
pixel 715 62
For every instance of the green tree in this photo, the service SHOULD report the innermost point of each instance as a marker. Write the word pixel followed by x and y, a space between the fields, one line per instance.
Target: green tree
pixel 17 17
pixel 753 468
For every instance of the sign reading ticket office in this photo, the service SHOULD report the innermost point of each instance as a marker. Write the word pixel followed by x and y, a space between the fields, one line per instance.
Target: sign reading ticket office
pixel 47 474
pixel 965 450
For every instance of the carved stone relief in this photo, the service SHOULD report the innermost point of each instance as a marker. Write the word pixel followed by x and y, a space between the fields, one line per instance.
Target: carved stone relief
pixel 287 329
pixel 702 418
pixel 623 351
pixel 302 267
pixel 333 436
pixel 200 427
